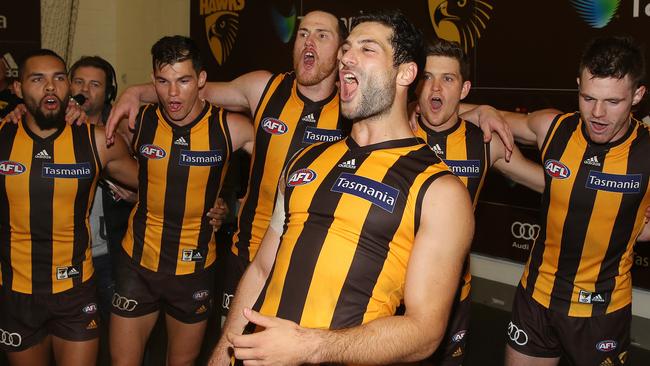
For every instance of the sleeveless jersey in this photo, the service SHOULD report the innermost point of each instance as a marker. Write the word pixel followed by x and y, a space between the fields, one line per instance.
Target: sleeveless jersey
pixel 285 121
pixel 351 218
pixel 462 148
pixel 46 189
pixel 180 173
pixel 592 211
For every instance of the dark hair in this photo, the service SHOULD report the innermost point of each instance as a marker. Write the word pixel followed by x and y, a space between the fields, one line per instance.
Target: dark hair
pixel 102 64
pixel 615 57
pixel 174 49
pixel 443 47
pixel 37 53
pixel 406 39
pixel 343 29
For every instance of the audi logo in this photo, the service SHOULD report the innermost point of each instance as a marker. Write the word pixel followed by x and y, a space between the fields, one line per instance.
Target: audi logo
pixel 227 298
pixel 524 230
pixel 517 335
pixel 10 339
pixel 122 303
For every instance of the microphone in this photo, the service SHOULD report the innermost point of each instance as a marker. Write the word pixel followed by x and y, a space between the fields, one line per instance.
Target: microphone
pixel 79 98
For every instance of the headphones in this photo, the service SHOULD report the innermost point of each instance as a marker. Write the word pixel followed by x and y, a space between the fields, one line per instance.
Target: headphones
pixel 109 71
pixel 111 87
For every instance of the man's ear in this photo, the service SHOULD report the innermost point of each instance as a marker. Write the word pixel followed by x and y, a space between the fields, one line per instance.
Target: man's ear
pixel 18 89
pixel 406 74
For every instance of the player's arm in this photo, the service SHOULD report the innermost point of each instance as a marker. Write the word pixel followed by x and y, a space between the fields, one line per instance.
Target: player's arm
pixel 519 168
pixel 526 128
pixel 432 277
pixel 645 233
pixel 117 160
pixel 241 131
pixel 251 284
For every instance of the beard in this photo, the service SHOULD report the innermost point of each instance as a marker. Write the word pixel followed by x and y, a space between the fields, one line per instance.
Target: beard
pixel 319 73
pixel 50 120
pixel 377 98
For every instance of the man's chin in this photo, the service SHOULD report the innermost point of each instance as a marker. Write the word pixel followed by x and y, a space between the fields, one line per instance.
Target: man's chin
pixel 50 121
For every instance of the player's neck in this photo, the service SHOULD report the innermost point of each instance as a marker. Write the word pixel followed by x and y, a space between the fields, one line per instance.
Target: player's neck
pixel 96 119
pixel 320 91
pixel 389 125
pixel 445 126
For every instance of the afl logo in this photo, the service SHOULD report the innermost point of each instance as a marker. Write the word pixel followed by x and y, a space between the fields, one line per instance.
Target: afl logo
pixel 201 295
pixel 152 152
pixel 606 346
pixel 90 308
pixel 274 126
pixel 8 167
pixel 300 177
pixel 458 336
pixel 556 169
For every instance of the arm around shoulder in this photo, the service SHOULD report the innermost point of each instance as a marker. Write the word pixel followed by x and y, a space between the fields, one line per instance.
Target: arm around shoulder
pixel 117 160
pixel 241 94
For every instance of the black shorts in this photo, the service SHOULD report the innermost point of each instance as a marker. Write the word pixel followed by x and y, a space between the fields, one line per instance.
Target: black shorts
pixel 452 348
pixel 235 268
pixel 539 332
pixel 26 319
pixel 139 291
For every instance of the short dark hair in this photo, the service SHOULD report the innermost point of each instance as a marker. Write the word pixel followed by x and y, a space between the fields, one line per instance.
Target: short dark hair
pixel 445 48
pixel 615 57
pixel 406 39
pixel 102 64
pixel 343 29
pixel 174 49
pixel 36 53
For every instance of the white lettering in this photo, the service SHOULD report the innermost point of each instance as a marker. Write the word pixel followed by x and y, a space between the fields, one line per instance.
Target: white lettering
pixel 614 184
pixel 66 171
pixel 368 191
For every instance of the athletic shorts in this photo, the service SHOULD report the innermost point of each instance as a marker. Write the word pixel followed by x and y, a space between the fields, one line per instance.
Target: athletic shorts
pixel 539 332
pixel 451 351
pixel 235 268
pixel 139 291
pixel 26 319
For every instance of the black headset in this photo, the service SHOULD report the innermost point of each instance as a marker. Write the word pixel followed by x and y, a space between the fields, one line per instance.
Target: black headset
pixel 111 88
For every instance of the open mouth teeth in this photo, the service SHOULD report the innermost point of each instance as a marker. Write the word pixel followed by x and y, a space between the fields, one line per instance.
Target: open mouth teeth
pixel 50 100
pixel 349 78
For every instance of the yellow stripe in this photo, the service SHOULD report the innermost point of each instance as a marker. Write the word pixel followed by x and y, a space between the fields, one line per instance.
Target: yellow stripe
pixel 63 219
pixel 457 148
pixel 18 194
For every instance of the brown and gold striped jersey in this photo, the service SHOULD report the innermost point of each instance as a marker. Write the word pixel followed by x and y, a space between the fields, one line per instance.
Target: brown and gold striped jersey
pixel 285 121
pixel 46 189
pixel 180 174
pixel 351 217
pixel 592 211
pixel 462 148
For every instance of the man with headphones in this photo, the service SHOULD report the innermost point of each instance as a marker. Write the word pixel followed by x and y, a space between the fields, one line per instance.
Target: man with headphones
pixel 94 78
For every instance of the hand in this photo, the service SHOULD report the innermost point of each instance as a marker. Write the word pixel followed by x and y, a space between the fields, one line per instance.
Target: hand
pixel 120 193
pixel 17 114
pixel 127 105
pixel 218 213
pixel 490 120
pixel 74 114
pixel 282 342
pixel 647 214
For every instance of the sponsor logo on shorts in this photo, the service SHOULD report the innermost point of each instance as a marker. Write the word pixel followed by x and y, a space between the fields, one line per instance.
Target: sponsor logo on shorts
pixel 524 230
pixel 556 169
pixel 70 171
pixel 458 352
pixel 313 135
pixel 192 255
pixel 64 273
pixel 517 335
pixel 90 308
pixel 92 325
pixel 227 299
pixel 622 357
pixel 122 303
pixel 606 345
pixel 619 183
pixel 202 309
pixel 377 193
pixel 274 126
pixel 152 152
pixel 464 168
pixel 10 339
pixel 300 177
pixel 458 336
pixel 201 295
pixel 8 167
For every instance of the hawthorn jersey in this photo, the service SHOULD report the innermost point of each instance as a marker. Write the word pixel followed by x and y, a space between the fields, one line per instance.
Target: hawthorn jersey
pixel 180 173
pixel 462 148
pixel 351 217
pixel 46 189
pixel 285 121
pixel 592 211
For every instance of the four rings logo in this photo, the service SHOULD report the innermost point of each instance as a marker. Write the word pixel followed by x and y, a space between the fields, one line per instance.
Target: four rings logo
pixel 122 303
pixel 227 298
pixel 524 230
pixel 517 335
pixel 10 339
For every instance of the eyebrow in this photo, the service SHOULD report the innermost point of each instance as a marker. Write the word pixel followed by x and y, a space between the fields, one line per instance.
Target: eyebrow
pixel 58 73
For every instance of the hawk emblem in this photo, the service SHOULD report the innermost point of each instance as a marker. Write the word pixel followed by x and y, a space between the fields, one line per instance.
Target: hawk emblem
pixel 461 21
pixel 221 30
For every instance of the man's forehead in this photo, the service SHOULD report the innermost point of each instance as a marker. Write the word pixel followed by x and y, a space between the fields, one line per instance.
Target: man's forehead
pixel 440 64
pixel 371 31
pixel 43 64
pixel 319 20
